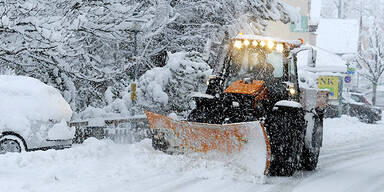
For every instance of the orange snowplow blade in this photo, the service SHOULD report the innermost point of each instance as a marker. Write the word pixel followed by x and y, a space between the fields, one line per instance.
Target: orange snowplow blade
pixel 202 137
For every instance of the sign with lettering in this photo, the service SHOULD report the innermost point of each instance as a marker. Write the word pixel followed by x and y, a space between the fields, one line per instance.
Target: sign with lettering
pixel 331 83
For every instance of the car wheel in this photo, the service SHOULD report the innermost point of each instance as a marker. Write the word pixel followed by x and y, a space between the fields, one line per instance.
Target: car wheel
pixel 365 118
pixel 11 144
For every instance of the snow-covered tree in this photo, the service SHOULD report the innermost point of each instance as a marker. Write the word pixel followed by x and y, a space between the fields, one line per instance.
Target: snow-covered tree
pixel 371 57
pixel 89 48
pixel 168 89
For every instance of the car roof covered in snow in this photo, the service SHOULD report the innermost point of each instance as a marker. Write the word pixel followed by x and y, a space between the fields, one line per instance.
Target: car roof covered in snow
pixel 25 99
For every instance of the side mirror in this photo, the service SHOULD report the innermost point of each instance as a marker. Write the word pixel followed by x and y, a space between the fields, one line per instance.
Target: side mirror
pixel 312 55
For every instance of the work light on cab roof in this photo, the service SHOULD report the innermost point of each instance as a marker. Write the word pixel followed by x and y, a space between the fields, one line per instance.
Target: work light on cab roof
pixel 253 41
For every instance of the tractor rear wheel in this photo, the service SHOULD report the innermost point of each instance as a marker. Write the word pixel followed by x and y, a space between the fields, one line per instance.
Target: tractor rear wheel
pixel 286 133
pixel 310 155
pixel 310 158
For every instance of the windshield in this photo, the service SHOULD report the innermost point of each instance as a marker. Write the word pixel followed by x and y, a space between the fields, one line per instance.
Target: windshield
pixel 257 64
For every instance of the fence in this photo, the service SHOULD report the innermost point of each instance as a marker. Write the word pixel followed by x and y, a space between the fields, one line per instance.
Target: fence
pixel 127 130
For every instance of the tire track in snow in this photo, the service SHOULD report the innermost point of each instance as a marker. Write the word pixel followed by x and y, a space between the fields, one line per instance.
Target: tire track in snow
pixel 334 156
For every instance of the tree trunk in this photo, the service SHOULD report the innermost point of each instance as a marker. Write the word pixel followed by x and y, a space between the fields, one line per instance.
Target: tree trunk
pixel 340 9
pixel 374 88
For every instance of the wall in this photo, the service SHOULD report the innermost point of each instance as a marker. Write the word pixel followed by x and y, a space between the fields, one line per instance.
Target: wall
pixel 283 31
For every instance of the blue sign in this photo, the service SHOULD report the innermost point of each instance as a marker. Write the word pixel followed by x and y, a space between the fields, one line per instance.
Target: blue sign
pixel 351 70
pixel 347 79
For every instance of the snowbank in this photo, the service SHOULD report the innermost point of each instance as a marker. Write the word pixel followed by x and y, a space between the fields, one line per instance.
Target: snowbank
pixel 106 166
pixel 25 99
pixel 61 131
pixel 349 130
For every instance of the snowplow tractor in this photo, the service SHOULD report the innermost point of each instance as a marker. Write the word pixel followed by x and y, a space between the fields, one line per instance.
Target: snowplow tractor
pixel 253 97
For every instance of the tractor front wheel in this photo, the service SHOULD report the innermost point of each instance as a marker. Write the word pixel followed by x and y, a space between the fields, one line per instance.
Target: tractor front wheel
pixel 285 128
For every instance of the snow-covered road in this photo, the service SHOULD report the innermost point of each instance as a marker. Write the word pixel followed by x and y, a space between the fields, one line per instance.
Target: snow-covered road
pixel 351 160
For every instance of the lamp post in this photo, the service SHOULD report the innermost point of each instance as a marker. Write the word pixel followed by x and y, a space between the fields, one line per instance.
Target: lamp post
pixel 135 29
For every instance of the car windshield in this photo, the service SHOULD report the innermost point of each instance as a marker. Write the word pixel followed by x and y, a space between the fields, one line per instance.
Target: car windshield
pixel 360 99
pixel 257 64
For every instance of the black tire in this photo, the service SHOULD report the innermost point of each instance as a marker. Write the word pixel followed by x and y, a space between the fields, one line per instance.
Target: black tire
pixel 310 155
pixel 365 118
pixel 11 143
pixel 310 158
pixel 197 116
pixel 159 142
pixel 286 133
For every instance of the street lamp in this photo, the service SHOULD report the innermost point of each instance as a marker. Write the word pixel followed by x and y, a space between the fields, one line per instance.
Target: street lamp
pixel 135 29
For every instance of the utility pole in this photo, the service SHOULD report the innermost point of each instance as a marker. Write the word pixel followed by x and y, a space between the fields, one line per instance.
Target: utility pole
pixel 135 30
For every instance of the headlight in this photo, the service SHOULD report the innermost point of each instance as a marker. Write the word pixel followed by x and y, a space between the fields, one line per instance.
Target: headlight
pixel 292 90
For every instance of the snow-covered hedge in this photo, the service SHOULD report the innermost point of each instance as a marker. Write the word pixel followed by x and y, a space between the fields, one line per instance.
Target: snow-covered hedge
pixel 162 89
pixel 167 89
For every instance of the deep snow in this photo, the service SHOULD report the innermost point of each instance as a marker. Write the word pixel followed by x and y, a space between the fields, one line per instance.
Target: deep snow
pixel 106 166
pixel 24 101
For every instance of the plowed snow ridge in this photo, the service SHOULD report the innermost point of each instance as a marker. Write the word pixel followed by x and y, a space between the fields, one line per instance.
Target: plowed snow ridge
pixel 105 166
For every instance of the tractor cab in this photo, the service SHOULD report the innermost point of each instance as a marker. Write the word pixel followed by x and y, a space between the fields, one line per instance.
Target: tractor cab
pixel 256 73
pixel 259 60
pixel 262 67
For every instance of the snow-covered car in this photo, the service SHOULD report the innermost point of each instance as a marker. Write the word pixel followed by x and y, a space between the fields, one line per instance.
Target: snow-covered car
pixel 356 105
pixel 379 96
pixel 33 116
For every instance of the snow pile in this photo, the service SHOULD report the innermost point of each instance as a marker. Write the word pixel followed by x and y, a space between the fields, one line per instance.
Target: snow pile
pixel 25 99
pixel 61 131
pixel 349 130
pixel 105 166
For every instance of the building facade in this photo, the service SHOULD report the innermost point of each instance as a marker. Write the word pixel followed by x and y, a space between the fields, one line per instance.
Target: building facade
pixel 303 28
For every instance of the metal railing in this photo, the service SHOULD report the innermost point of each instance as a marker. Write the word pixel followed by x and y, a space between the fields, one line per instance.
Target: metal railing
pixel 118 130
